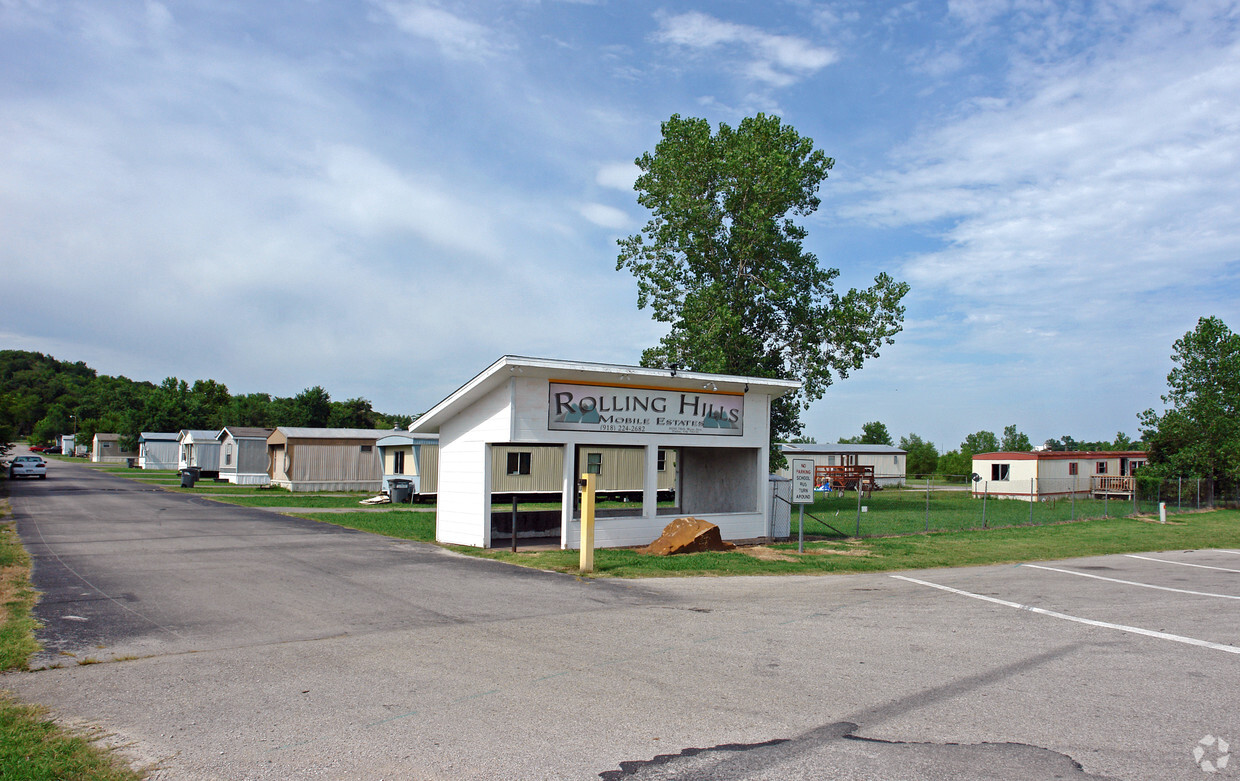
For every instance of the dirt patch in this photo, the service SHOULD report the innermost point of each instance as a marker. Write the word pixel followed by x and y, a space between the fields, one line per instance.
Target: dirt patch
pixel 764 553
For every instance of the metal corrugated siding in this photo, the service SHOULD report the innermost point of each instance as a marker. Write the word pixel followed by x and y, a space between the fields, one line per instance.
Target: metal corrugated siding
pixel 546 469
pixel 335 461
pixel 623 467
pixel 428 468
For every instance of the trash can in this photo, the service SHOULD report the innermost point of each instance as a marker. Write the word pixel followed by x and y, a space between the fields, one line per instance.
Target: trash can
pixel 132 463
pixel 189 476
pixel 400 491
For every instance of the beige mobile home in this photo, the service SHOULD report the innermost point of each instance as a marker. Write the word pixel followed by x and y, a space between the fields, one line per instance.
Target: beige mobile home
pixel 412 457
pixel 888 462
pixel 106 449
pixel 1049 474
pixel 243 455
pixel 325 459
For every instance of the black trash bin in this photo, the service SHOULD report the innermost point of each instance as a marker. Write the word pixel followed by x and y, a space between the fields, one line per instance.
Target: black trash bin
pixel 400 491
pixel 132 463
pixel 189 476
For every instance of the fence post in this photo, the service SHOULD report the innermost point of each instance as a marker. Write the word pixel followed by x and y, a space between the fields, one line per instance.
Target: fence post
pixel 1106 500
pixel 1031 500
pixel 1179 494
pixel 985 494
pixel 858 507
pixel 927 504
pixel 1074 485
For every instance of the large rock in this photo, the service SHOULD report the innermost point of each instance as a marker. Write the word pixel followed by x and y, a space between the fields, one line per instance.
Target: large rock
pixel 688 535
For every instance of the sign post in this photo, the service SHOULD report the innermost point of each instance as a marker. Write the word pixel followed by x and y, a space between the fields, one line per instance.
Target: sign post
pixel 587 522
pixel 802 494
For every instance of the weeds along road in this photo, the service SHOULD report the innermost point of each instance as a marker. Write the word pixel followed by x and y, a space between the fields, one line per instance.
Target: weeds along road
pixel 238 644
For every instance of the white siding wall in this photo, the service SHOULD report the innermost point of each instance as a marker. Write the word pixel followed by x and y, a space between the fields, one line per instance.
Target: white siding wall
pixel 463 506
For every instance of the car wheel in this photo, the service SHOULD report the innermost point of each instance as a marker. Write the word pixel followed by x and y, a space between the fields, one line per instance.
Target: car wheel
pixel 43 477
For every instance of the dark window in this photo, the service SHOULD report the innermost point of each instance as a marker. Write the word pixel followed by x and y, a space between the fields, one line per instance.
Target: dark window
pixel 999 471
pixel 594 463
pixel 519 463
pixel 398 462
pixel 1072 467
pixel 662 460
pixel 366 448
pixel 228 454
pixel 1102 468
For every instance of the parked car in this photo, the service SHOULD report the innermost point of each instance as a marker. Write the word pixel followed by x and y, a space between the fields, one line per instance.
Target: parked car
pixel 54 450
pixel 37 448
pixel 27 466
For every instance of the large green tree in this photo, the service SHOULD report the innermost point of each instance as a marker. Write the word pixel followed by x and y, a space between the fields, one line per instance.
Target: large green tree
pixel 1015 441
pixel 1199 432
pixel 922 457
pixel 721 263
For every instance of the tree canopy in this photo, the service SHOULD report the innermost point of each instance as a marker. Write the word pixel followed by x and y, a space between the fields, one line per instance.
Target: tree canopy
pixel 921 458
pixel 42 398
pixel 721 263
pixel 1199 433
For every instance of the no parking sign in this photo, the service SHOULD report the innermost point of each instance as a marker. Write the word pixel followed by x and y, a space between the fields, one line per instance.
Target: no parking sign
pixel 802 481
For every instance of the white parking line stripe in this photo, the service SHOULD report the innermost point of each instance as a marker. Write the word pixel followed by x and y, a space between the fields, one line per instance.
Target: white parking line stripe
pixel 1224 550
pixel 1181 563
pixel 1231 649
pixel 1132 582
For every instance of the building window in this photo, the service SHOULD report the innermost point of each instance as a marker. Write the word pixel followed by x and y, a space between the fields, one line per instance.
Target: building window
pixel 1072 468
pixel 366 448
pixel 999 471
pixel 228 454
pixel 398 462
pixel 662 460
pixel 1132 467
pixel 1102 468
pixel 830 460
pixel 594 463
pixel 519 463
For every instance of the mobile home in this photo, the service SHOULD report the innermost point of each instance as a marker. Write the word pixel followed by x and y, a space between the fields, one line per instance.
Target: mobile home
pixel 325 459
pixel 199 448
pixel 1050 474
pixel 243 455
pixel 158 450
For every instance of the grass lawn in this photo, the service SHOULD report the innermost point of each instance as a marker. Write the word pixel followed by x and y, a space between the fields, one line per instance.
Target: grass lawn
pixel 33 748
pixel 402 524
pixel 1220 528
pixel 907 511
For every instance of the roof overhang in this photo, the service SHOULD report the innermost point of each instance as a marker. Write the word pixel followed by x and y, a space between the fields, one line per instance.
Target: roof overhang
pixel 581 371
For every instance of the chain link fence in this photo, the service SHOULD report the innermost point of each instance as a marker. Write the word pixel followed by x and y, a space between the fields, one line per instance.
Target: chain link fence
pixel 955 504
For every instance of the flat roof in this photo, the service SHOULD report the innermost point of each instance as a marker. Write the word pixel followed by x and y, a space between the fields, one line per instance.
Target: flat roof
pixel 1049 455
pixel 832 448
pixel 555 369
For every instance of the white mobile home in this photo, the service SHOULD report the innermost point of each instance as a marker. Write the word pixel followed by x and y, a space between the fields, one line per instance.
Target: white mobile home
pixel 158 450
pixel 1050 474
pixel 243 455
pixel 66 444
pixel 604 419
pixel 199 448
pixel 887 462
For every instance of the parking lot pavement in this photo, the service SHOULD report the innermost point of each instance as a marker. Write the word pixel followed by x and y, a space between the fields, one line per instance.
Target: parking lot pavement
pixel 395 660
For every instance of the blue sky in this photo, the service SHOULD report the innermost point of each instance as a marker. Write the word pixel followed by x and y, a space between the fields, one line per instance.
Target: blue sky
pixel 382 197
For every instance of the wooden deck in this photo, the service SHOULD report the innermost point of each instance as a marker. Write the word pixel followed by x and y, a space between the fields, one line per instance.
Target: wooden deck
pixel 1112 486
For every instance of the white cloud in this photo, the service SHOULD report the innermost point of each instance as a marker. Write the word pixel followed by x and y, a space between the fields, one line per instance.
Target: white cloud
pixel 617 176
pixel 605 216
pixel 776 60
pixel 456 37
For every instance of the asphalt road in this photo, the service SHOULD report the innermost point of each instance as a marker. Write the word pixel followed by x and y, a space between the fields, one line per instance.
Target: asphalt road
pixel 238 644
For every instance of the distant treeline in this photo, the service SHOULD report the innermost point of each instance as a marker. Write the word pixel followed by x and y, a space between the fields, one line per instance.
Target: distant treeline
pixel 42 398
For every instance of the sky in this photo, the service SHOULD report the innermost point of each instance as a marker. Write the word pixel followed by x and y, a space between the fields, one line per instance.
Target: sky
pixel 382 197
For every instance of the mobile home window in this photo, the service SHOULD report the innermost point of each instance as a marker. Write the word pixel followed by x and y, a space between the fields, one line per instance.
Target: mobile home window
pixel 1072 467
pixel 999 471
pixel 662 460
pixel 519 463
pixel 366 448
pixel 398 462
pixel 594 463
pixel 228 454
pixel 1102 468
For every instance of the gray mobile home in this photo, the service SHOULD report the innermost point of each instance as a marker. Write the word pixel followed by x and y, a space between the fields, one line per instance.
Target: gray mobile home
pixel 243 455
pixel 158 450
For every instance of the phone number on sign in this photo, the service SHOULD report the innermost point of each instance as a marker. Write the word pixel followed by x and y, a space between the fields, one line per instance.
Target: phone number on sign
pixel 622 429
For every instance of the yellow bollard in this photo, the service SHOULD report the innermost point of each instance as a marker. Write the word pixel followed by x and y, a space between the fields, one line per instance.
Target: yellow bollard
pixel 587 522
